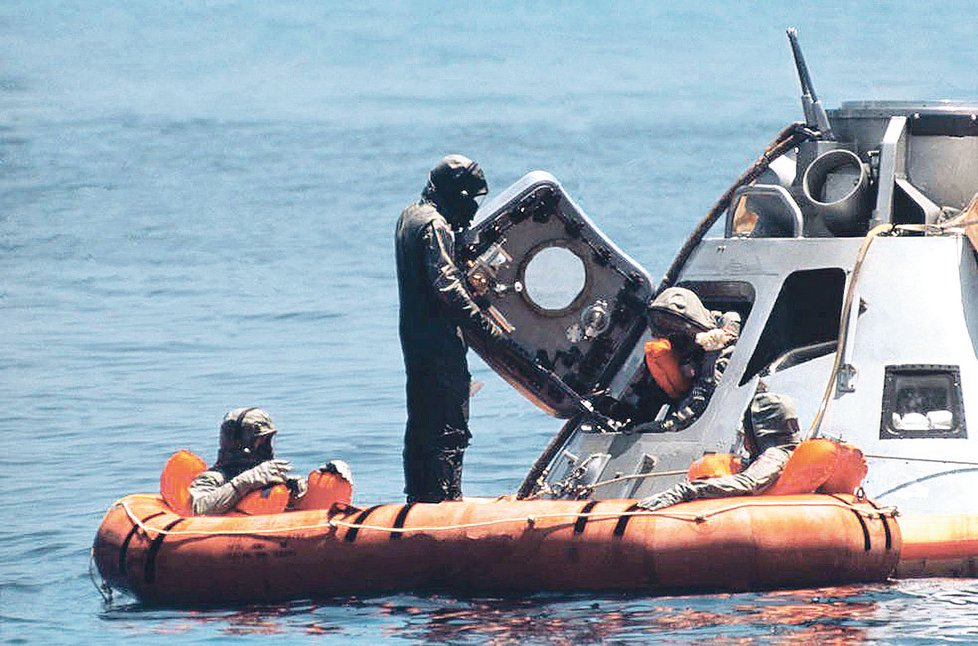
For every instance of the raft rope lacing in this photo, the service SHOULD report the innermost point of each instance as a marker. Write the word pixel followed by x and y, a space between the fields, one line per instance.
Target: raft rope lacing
pixel 529 520
pixel 103 588
pixel 568 488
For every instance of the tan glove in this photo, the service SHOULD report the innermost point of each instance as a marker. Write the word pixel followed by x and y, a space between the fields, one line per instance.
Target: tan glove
pixel 715 339
pixel 266 473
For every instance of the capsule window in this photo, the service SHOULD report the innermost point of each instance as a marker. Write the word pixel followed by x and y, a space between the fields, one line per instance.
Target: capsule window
pixel 724 295
pixel 803 323
pixel 922 401
pixel 554 278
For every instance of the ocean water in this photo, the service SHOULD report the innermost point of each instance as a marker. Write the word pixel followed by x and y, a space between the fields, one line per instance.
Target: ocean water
pixel 197 202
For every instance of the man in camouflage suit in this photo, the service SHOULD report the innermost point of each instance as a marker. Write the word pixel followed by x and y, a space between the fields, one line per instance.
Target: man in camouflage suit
pixel 245 462
pixel 770 437
pixel 434 304
pixel 704 342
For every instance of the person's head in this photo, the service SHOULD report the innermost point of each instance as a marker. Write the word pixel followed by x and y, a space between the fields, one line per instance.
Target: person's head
pixel 455 186
pixel 910 400
pixel 773 421
pixel 246 437
pixel 679 315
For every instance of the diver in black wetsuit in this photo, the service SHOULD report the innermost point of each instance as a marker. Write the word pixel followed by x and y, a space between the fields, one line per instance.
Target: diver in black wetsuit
pixel 433 305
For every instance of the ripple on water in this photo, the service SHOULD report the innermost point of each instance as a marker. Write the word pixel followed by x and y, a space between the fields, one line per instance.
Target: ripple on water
pixel 210 225
pixel 853 614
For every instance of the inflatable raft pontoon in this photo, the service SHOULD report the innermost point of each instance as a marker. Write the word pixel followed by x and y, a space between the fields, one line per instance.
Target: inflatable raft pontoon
pixel 494 545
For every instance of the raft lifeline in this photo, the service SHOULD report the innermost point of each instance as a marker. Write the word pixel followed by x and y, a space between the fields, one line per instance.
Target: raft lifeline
pixel 494 546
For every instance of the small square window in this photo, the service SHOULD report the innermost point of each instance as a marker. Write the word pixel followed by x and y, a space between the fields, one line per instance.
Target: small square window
pixel 922 401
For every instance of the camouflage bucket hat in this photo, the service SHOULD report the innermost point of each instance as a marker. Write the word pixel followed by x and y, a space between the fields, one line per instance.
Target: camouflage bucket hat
pixel 774 417
pixel 679 309
pixel 242 426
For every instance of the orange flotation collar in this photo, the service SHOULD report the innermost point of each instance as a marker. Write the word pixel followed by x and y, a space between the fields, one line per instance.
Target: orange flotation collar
pixel 178 472
pixel 819 465
pixel 664 366
pixel 714 465
pixel 181 469
pixel 325 490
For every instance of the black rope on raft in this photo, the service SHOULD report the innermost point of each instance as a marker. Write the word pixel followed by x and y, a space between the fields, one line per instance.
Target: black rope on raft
pixel 104 589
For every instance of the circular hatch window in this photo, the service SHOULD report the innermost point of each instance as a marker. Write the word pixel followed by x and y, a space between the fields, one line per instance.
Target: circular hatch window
pixel 553 278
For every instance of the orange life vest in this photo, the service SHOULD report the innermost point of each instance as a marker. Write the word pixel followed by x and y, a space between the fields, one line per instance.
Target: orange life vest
pixel 714 465
pixel 821 465
pixel 325 490
pixel 664 366
pixel 181 469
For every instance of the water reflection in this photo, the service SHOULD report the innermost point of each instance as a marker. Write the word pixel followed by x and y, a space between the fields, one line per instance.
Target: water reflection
pixel 929 609
pixel 824 616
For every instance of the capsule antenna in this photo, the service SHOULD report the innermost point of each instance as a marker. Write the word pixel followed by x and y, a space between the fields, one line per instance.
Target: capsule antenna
pixel 815 116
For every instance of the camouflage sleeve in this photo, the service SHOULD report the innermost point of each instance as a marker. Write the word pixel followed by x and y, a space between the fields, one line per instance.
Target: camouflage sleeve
pixel 692 406
pixel 448 282
pixel 760 475
pixel 212 493
pixel 721 364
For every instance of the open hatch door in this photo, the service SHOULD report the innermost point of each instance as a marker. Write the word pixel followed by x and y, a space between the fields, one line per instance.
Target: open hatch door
pixel 570 302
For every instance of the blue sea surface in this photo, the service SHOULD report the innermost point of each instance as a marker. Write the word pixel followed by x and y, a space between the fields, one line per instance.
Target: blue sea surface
pixel 197 202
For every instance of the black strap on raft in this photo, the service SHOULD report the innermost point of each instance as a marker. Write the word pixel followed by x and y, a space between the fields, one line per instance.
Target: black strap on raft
pixel 583 516
pixel 154 549
pixel 124 549
pixel 622 524
pixel 351 534
pixel 867 541
pixel 400 520
pixel 886 525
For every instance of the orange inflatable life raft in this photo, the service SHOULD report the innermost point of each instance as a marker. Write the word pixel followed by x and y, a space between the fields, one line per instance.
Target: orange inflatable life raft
pixel 944 545
pixel 164 557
